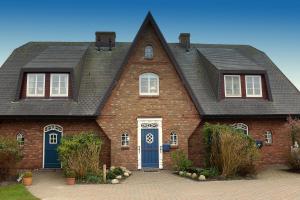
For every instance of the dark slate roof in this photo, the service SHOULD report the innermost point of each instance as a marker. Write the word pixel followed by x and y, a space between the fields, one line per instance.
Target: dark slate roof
pixel 98 70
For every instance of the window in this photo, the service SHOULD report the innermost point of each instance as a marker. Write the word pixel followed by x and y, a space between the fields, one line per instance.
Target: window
pixel 53 138
pixel 59 85
pixel 232 86
pixel 173 139
pixel 253 86
pixel 149 84
pixel 125 140
pixel 241 126
pixel 149 52
pixel 268 137
pixel 20 139
pixel 35 85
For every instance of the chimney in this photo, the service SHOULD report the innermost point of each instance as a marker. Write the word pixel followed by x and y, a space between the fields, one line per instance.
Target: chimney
pixel 105 39
pixel 184 40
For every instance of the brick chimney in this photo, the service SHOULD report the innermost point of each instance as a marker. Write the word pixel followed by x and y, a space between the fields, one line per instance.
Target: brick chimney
pixel 184 40
pixel 105 39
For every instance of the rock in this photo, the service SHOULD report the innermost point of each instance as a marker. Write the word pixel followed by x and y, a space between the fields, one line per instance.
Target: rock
pixel 129 172
pixel 115 181
pixel 202 178
pixel 188 174
pixel 112 168
pixel 123 169
pixel 181 173
pixel 119 177
pixel 126 174
pixel 194 175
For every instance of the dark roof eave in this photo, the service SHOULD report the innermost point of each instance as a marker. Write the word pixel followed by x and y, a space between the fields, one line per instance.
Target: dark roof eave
pixel 45 117
pixel 240 116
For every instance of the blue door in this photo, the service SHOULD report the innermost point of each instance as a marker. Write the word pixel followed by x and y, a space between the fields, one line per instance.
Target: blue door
pixel 52 140
pixel 149 139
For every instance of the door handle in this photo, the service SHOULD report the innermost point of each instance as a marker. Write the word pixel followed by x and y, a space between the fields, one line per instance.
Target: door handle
pixel 160 149
pixel 139 149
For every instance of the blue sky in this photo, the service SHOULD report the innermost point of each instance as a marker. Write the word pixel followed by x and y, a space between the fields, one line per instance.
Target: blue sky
pixel 271 26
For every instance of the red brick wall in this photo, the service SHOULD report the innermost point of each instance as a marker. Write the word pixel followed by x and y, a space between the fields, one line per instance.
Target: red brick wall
pixel 125 105
pixel 276 153
pixel 33 129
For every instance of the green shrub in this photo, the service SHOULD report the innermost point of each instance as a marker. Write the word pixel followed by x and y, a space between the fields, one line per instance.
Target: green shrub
pixel 10 155
pixel 94 177
pixel 210 172
pixel 27 174
pixel 110 175
pixel 294 159
pixel 196 170
pixel 118 171
pixel 229 150
pixel 180 161
pixel 80 153
pixel 70 173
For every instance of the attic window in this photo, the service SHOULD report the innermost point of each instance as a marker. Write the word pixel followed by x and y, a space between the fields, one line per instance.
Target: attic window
pixel 149 84
pixel 242 127
pixel 35 85
pixel 253 86
pixel 59 84
pixel 148 52
pixel 232 85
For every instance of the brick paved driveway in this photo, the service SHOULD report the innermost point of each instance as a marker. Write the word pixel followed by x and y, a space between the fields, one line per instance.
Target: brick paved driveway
pixel 271 184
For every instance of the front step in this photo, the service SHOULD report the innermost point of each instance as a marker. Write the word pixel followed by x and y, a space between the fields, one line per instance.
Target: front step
pixel 149 169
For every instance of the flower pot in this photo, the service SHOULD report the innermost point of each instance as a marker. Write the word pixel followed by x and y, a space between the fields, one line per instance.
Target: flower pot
pixel 70 181
pixel 27 181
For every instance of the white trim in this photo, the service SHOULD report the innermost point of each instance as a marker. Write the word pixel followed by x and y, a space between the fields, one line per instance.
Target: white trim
pixel 59 82
pixel 226 95
pixel 160 134
pixel 148 76
pixel 49 128
pixel 35 89
pixel 241 126
pixel 260 85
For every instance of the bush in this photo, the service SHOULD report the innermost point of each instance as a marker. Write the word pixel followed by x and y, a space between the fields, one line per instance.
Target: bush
pixel 210 172
pixel 10 155
pixel 70 173
pixel 229 150
pixel 110 175
pixel 80 153
pixel 27 174
pixel 94 177
pixel 118 171
pixel 294 159
pixel 180 161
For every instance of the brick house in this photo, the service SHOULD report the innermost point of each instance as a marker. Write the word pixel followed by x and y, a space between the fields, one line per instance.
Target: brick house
pixel 142 97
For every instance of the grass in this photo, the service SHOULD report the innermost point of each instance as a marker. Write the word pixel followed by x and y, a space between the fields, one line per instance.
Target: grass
pixel 15 192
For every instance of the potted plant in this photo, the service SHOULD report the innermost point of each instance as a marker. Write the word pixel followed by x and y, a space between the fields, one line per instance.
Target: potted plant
pixel 70 177
pixel 27 178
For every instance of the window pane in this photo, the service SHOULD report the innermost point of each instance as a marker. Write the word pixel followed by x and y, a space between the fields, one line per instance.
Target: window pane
pixel 228 80
pixel 153 85
pixel 236 86
pixel 144 85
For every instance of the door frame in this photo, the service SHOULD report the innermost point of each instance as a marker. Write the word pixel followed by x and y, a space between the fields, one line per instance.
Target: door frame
pixel 149 123
pixel 47 128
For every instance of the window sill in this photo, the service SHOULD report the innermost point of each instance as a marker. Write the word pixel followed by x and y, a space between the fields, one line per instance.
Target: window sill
pixel 125 148
pixel 149 96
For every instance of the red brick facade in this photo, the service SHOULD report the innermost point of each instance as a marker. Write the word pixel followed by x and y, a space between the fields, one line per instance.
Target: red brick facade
pixel 275 153
pixel 33 132
pixel 124 106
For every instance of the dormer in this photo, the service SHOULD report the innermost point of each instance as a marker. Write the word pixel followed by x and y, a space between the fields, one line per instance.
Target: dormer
pixel 233 75
pixel 54 73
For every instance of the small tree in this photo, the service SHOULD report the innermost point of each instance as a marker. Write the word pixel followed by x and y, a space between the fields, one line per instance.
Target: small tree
pixel 294 126
pixel 180 161
pixel 229 150
pixel 10 155
pixel 80 153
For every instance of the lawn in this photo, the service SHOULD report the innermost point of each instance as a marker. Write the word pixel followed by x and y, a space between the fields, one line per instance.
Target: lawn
pixel 15 192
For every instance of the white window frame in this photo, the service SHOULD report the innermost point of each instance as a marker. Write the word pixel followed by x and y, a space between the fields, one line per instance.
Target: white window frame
pixel 20 139
pixel 35 91
pixel 125 139
pixel 260 84
pixel 59 93
pixel 173 138
pixel 269 137
pixel 148 76
pixel 50 139
pixel 148 55
pixel 241 126
pixel 240 87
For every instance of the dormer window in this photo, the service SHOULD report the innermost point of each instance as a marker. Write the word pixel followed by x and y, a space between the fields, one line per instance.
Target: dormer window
pixel 35 85
pixel 253 86
pixel 232 85
pixel 148 52
pixel 59 85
